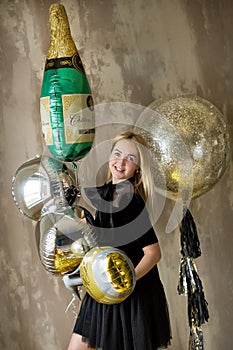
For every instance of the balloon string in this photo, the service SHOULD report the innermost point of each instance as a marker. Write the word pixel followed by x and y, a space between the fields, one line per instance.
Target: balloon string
pixel 53 169
pixel 74 167
pixel 75 170
pixel 72 303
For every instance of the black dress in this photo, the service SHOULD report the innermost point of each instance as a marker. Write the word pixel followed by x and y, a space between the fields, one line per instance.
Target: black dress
pixel 140 322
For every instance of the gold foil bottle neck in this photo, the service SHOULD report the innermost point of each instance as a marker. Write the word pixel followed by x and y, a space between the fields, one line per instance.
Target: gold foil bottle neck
pixel 61 42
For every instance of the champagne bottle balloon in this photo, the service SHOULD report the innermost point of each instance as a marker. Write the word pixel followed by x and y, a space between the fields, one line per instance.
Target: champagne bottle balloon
pixel 66 104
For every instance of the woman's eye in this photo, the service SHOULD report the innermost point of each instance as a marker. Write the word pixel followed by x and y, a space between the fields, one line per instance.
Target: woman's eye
pixel 117 154
pixel 130 158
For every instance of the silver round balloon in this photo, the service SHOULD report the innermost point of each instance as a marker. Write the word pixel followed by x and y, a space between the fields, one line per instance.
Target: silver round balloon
pixel 56 231
pixel 38 180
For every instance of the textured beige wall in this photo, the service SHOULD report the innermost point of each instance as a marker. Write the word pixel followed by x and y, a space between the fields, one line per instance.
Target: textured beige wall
pixel 133 51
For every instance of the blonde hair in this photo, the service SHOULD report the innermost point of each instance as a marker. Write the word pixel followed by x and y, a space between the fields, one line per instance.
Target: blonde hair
pixel 143 184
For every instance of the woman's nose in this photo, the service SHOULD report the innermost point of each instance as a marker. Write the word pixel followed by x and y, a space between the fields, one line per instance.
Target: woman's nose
pixel 122 160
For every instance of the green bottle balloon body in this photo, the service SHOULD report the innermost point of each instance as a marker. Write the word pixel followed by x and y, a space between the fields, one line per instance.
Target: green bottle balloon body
pixel 67 110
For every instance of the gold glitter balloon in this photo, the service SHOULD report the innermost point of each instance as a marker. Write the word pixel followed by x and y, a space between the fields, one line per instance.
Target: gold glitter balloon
pixel 190 142
pixel 107 274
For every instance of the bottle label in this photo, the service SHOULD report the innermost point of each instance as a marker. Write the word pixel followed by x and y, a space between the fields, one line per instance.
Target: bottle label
pixel 78 116
pixel 78 119
pixel 45 119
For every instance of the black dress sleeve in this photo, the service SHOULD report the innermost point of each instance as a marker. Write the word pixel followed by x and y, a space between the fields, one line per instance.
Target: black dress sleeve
pixel 148 238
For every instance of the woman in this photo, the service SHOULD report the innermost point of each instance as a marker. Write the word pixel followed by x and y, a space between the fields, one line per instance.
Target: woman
pixel 140 322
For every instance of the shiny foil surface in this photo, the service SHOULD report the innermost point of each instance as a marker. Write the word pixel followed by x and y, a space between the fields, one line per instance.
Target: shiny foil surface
pixel 107 274
pixel 65 260
pixel 37 181
pixel 62 44
pixel 66 104
pixel 118 272
pixel 56 232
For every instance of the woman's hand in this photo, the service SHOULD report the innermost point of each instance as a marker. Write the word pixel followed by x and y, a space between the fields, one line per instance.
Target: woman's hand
pixel 152 255
pixel 84 220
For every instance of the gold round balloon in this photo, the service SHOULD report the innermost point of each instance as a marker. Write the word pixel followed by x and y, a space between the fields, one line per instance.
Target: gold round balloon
pixel 107 274
pixel 190 142
pixel 38 180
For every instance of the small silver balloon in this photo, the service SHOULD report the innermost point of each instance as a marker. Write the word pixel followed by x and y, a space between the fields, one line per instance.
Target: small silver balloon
pixel 80 247
pixel 37 181
pixel 57 229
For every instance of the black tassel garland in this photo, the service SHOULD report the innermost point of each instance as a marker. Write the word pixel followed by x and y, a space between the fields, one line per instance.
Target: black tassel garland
pixel 196 338
pixel 190 283
pixel 190 245
pixel 197 305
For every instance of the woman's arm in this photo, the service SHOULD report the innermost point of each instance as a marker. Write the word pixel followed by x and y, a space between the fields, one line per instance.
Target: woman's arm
pixel 152 255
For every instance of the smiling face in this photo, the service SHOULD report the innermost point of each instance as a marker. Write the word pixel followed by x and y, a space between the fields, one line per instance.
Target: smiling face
pixel 123 161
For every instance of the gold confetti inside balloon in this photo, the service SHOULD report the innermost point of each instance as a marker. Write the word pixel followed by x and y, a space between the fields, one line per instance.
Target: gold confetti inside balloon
pixel 107 274
pixel 190 141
